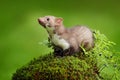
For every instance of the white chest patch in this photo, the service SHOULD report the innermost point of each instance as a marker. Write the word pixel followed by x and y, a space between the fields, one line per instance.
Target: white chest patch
pixel 60 42
pixel 57 40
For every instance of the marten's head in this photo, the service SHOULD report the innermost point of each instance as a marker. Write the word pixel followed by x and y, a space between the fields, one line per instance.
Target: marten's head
pixel 50 22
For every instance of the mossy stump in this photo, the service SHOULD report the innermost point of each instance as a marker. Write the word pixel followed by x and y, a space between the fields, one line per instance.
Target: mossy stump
pixel 56 68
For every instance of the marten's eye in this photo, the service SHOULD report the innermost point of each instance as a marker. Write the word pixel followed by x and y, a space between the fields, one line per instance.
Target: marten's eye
pixel 48 19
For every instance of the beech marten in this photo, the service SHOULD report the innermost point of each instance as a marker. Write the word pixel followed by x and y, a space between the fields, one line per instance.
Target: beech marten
pixel 67 39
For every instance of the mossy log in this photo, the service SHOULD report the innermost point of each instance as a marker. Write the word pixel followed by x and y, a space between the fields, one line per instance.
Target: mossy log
pixel 56 68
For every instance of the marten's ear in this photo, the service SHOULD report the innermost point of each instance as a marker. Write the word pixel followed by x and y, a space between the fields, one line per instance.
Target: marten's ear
pixel 58 21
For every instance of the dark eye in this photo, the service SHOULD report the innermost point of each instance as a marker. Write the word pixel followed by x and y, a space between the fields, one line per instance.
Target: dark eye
pixel 48 19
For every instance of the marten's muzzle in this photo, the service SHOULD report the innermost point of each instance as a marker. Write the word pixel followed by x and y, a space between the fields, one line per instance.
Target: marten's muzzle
pixel 41 23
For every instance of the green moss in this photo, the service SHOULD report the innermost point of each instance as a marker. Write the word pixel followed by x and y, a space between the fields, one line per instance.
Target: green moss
pixel 91 66
pixel 49 67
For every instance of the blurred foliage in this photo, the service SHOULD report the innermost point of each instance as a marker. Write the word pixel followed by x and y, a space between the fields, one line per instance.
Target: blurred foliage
pixel 20 32
pixel 93 65
pixel 105 57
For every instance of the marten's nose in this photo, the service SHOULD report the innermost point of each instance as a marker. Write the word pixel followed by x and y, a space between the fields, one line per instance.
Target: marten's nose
pixel 41 22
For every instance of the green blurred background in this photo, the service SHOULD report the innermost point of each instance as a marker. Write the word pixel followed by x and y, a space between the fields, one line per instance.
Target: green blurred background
pixel 20 33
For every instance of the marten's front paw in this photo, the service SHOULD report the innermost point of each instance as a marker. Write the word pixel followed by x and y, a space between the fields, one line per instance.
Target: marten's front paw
pixel 58 51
